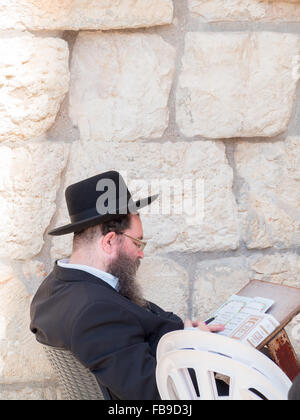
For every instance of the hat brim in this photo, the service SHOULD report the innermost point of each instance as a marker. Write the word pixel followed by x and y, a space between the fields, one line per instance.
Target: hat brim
pixel 95 220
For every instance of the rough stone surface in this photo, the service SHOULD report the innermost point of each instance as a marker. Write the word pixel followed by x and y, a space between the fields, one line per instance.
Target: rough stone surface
pixel 21 357
pixel 29 180
pixel 34 79
pixel 237 84
pixel 149 164
pixel 269 198
pixel 120 85
pixel 215 282
pixel 157 277
pixel 246 10
pixel 277 268
pixel 34 273
pixel 84 14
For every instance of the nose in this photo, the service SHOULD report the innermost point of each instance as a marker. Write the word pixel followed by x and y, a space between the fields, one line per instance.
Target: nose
pixel 141 254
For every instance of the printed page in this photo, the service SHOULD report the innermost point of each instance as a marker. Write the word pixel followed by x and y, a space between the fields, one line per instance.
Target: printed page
pixel 255 329
pixel 235 313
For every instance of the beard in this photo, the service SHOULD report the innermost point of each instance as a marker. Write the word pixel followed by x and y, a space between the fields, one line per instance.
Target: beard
pixel 125 269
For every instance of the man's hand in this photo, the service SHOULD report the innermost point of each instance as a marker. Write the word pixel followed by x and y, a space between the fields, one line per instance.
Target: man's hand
pixel 202 326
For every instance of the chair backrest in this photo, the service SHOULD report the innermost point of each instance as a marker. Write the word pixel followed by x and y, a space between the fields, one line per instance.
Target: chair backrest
pixel 76 381
pixel 213 353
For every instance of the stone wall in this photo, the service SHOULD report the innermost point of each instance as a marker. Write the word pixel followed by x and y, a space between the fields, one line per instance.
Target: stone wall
pixel 196 89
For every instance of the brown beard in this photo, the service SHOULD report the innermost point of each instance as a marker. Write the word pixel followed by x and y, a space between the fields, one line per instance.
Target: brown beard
pixel 124 268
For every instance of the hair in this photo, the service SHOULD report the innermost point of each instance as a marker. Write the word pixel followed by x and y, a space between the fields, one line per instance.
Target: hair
pixel 89 235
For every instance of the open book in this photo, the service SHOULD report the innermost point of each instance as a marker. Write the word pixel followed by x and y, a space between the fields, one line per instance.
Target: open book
pixel 245 319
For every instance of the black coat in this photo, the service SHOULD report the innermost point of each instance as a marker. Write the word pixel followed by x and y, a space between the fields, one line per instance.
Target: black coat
pixel 112 336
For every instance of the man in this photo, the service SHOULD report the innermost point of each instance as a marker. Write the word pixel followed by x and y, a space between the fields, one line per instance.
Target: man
pixel 91 303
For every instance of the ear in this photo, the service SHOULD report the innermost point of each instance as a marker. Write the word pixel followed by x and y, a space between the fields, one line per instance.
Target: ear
pixel 108 242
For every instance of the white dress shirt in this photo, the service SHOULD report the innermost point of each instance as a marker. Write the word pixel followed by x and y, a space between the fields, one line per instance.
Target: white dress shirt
pixel 103 275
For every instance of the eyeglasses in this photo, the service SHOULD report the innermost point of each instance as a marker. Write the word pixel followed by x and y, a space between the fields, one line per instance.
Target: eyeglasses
pixel 140 244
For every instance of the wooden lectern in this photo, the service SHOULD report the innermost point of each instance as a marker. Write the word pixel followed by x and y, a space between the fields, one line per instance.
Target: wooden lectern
pixel 285 308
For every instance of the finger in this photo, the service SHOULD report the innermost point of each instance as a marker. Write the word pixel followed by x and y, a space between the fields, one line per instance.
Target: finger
pixel 201 324
pixel 203 327
pixel 217 327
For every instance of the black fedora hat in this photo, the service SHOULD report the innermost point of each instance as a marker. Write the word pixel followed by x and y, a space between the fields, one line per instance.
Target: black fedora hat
pixel 97 200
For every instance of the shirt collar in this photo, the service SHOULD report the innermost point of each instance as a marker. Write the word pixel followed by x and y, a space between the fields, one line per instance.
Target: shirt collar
pixel 103 275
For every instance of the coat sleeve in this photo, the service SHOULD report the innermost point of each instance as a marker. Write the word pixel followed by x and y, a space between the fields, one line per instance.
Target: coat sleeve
pixel 110 341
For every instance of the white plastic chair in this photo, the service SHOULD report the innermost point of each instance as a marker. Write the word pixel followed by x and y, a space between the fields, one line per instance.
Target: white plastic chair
pixel 207 353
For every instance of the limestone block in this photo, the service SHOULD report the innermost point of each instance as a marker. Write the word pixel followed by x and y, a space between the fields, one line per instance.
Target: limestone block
pixel 21 357
pixel 157 277
pixel 34 79
pixel 246 10
pixel 237 84
pixel 120 85
pixel 269 199
pixel 84 14
pixel 34 269
pixel 34 273
pixel 29 180
pixel 216 281
pixel 277 268
pixel 145 167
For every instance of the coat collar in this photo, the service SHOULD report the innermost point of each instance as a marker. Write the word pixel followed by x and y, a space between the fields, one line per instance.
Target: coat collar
pixel 71 274
pixel 107 277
